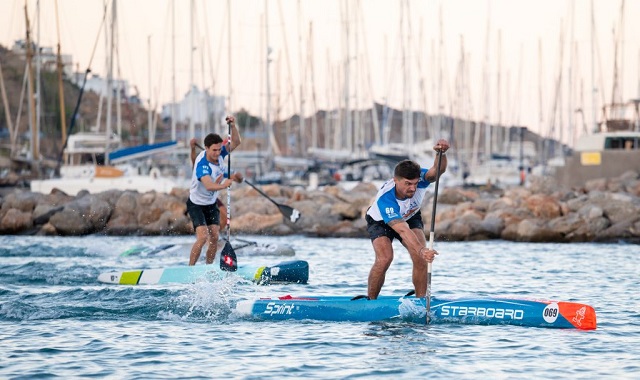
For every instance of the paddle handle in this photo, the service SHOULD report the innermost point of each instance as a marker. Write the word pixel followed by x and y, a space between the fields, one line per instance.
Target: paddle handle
pixel 432 237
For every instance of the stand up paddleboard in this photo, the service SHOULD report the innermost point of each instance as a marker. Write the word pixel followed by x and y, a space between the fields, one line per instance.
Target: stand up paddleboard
pixel 286 272
pixel 477 311
pixel 240 246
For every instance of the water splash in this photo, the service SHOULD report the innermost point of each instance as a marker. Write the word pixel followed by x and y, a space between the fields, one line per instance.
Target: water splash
pixel 410 311
pixel 207 301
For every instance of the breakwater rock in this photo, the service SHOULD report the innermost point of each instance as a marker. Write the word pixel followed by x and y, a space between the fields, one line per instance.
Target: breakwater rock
pixel 601 211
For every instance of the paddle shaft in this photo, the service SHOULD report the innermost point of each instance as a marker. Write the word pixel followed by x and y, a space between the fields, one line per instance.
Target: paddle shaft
pixel 262 193
pixel 229 189
pixel 432 237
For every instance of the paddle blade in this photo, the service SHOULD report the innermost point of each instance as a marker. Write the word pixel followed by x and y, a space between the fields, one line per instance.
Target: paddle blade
pixel 228 258
pixel 291 213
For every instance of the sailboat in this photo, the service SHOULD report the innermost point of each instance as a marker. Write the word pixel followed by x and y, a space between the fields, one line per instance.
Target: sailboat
pixel 96 161
pixel 84 167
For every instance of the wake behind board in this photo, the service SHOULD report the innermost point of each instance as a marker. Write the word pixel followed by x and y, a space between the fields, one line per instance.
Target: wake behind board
pixel 154 250
pixel 241 247
pixel 476 311
pixel 286 272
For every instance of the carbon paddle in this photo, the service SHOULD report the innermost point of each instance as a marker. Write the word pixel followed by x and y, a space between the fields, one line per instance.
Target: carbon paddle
pixel 228 258
pixel 289 212
pixel 431 238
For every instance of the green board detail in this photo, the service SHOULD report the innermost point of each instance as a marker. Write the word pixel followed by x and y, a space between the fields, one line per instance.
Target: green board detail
pixel 258 276
pixel 130 278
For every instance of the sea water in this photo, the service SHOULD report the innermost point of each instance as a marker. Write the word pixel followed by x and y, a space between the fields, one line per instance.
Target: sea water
pixel 56 320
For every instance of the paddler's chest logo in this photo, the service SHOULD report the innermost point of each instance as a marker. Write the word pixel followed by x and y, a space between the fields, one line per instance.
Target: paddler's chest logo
pixel 411 207
pixel 410 212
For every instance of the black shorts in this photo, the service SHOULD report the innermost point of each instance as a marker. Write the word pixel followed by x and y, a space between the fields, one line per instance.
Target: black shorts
pixel 380 228
pixel 203 215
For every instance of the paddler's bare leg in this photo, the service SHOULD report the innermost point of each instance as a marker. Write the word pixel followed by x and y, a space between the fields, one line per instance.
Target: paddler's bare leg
pixel 419 274
pixel 223 217
pixel 213 243
pixel 202 235
pixel 384 256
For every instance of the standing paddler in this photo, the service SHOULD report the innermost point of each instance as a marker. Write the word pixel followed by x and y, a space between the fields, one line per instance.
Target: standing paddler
pixel 395 214
pixel 208 177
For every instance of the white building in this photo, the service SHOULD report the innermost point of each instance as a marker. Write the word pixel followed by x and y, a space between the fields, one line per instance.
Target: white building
pixel 48 58
pixel 197 105
pixel 98 85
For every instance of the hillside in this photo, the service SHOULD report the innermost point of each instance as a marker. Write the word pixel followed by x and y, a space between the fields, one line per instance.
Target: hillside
pixel 134 117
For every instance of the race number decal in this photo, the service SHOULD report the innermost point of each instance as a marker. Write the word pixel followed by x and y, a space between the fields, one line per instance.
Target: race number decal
pixel 551 312
pixel 391 213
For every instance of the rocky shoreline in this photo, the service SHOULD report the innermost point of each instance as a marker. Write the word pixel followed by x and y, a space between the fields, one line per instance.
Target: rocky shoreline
pixel 602 211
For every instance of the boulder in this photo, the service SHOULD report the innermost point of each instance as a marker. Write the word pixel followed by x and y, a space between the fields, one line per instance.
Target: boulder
pixel 534 230
pixel 15 221
pixel 85 215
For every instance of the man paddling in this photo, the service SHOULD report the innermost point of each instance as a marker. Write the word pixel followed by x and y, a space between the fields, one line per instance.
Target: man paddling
pixel 221 207
pixel 395 214
pixel 206 180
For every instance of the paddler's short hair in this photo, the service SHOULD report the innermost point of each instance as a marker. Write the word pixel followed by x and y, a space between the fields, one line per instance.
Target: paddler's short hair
pixel 407 169
pixel 212 138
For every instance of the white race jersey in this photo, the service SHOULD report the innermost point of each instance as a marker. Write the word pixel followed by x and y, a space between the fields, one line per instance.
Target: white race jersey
pixel 202 167
pixel 387 207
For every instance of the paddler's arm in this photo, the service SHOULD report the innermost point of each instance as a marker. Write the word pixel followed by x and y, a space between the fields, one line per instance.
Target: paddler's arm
pixel 430 175
pixel 218 184
pixel 193 154
pixel 238 177
pixel 235 135
pixel 411 241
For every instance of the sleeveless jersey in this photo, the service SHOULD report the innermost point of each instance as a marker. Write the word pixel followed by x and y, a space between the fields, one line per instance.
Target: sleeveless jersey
pixel 386 207
pixel 202 167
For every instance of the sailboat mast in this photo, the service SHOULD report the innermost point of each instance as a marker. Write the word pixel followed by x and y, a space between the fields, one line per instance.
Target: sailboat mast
pixel 38 97
pixel 7 111
pixel 192 89
pixel 540 80
pixel 301 129
pixel 229 55
pixel 570 103
pixel 499 127
pixel 405 79
pixel 357 139
pixel 594 90
pixel 314 119
pixel 63 116
pixel 366 58
pixel 273 143
pixel 486 90
pixel 32 112
pixel 173 70
pixel 347 108
pixel 204 126
pixel 150 127
pixel 118 82
pixel 291 93
pixel 440 72
pixel 108 128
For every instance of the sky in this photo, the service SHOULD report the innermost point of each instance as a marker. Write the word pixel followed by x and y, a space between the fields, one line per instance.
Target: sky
pixel 494 60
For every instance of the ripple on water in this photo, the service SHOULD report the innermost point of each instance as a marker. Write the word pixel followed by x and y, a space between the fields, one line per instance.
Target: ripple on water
pixel 57 321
